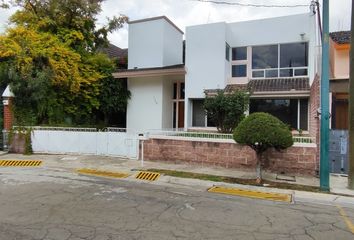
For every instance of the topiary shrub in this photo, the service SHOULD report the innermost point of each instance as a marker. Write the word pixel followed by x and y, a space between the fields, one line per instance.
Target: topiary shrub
pixel 262 131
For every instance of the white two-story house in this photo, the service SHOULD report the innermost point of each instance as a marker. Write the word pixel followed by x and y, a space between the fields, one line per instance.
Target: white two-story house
pixel 274 58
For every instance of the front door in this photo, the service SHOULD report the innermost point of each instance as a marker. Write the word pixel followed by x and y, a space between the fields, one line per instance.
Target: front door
pixel 178 105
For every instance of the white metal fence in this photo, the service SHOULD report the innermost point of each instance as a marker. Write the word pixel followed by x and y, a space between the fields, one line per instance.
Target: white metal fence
pixel 110 141
pixel 216 136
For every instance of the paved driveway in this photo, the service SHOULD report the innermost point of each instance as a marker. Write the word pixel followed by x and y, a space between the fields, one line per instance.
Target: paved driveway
pixel 53 202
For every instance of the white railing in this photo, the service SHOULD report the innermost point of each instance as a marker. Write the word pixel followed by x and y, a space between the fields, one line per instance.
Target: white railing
pixel 184 134
pixel 263 72
pixel 205 135
pixel 66 129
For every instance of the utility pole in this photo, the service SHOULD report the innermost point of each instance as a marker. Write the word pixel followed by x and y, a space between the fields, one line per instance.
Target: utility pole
pixel 324 134
pixel 351 108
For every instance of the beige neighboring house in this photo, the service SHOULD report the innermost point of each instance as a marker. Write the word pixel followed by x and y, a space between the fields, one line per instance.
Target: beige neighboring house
pixel 339 81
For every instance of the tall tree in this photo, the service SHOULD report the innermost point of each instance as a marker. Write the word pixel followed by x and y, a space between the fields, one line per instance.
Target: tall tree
pixel 51 58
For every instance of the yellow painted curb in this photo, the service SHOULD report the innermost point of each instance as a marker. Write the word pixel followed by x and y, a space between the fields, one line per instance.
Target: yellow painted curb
pixel 99 173
pixel 343 214
pixel 280 197
pixel 20 163
pixel 150 176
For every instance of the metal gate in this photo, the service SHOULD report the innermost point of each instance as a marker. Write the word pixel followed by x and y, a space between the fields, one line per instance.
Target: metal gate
pixel 110 141
pixel 338 151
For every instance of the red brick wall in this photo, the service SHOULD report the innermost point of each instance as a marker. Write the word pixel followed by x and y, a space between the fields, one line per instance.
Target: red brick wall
pixel 313 114
pixel 8 116
pixel 295 160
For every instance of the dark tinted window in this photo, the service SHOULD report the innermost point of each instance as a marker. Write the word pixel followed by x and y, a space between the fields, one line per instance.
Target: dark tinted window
pixel 304 111
pixel 284 109
pixel 286 72
pixel 293 55
pixel 239 71
pixel 198 114
pixel 181 89
pixel 258 74
pixel 239 53
pixel 300 72
pixel 271 73
pixel 175 91
pixel 265 57
pixel 227 52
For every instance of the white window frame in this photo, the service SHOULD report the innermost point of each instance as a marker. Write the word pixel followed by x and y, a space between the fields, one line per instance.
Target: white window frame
pixel 240 62
pixel 279 68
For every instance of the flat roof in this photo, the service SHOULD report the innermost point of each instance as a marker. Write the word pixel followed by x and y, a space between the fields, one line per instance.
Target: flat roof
pixel 157 18
pixel 150 72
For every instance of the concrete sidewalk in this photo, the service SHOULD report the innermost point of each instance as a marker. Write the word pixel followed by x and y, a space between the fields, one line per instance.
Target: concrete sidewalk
pixel 73 162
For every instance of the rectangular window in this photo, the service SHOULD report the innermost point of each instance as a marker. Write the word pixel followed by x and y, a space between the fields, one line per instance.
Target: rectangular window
pixel 198 117
pixel 239 70
pixel 258 74
pixel 286 72
pixel 301 72
pixel 265 57
pixel 286 110
pixel 281 60
pixel 304 112
pixel 270 73
pixel 227 52
pixel 239 53
pixel 293 55
pixel 181 91
pixel 175 91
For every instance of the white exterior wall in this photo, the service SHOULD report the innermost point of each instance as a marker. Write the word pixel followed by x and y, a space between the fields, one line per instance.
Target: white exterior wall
pixel 206 65
pixel 154 43
pixel 167 107
pixel 172 45
pixel 150 106
pixel 287 29
pixel 144 44
pixel 205 58
pixel 144 109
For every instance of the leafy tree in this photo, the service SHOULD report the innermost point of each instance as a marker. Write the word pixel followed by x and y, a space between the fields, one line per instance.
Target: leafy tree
pixel 114 94
pixel 226 110
pixel 262 131
pixel 51 60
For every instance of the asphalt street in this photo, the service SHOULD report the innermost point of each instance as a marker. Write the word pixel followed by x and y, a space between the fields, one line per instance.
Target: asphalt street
pixel 50 203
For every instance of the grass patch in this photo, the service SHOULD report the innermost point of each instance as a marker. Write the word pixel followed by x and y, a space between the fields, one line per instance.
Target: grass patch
pixel 214 178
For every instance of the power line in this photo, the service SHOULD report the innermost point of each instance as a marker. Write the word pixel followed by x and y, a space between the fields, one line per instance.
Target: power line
pixel 250 4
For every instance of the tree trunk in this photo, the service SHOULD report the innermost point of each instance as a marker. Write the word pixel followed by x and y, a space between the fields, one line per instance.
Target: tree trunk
pixel 259 168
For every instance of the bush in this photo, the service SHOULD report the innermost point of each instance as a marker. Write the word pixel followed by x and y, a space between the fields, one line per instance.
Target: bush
pixel 226 110
pixel 262 131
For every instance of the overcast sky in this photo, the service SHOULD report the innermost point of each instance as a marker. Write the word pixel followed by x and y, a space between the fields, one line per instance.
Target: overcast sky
pixel 189 12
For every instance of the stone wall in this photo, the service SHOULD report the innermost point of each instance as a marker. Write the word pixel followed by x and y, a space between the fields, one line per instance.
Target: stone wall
pixel 299 160
pixel 8 116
